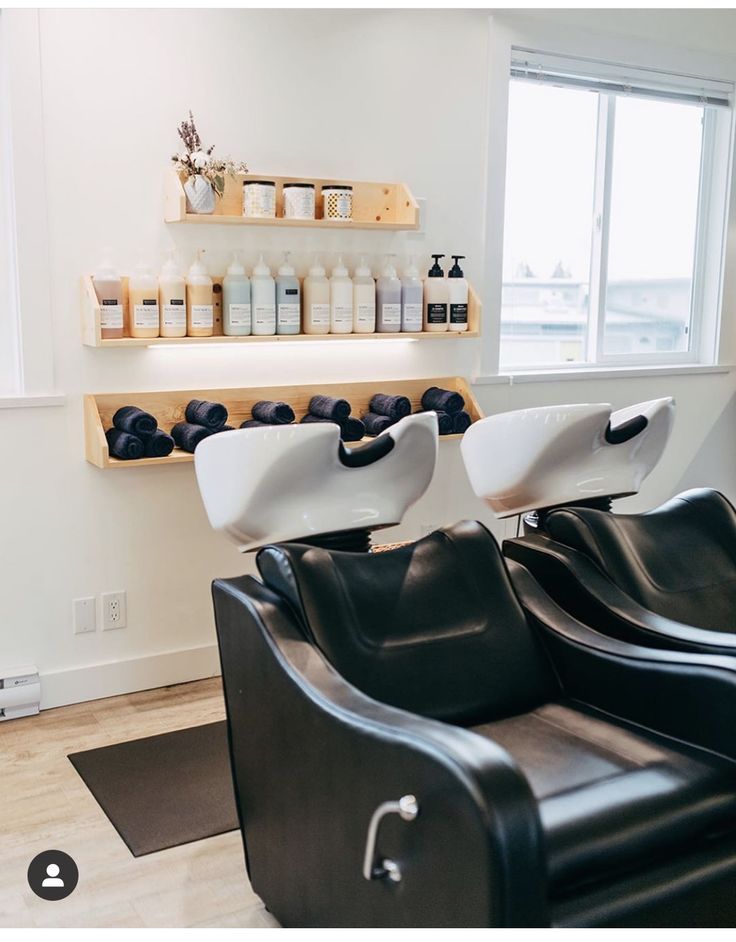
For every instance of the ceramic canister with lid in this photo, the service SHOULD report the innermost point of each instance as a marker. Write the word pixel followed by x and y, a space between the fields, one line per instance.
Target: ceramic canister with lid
pixel 337 202
pixel 259 199
pixel 298 200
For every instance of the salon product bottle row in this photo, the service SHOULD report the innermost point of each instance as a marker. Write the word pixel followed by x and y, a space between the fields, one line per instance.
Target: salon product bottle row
pixel 174 305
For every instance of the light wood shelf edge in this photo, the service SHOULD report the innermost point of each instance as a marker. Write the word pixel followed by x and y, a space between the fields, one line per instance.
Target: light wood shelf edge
pixel 168 407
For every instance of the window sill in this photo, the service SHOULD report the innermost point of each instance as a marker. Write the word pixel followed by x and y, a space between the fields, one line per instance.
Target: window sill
pixel 31 402
pixel 598 372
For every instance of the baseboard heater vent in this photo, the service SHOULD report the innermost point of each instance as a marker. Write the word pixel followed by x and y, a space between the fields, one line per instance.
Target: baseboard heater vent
pixel 20 693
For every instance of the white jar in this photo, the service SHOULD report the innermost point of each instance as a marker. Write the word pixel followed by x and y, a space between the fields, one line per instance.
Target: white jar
pixel 337 203
pixel 298 200
pixel 259 199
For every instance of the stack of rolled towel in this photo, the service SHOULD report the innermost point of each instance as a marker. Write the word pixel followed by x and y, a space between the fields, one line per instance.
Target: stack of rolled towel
pixel 337 411
pixel 385 410
pixel 202 420
pixel 135 434
pixel 265 412
pixel 450 408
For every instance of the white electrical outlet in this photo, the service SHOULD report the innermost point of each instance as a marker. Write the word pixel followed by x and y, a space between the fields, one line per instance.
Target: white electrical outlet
pixel 84 615
pixel 114 610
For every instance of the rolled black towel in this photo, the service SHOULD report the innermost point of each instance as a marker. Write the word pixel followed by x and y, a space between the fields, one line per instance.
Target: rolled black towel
pixel 159 445
pixel 442 400
pixel 461 422
pixel 445 423
pixel 212 415
pixel 352 429
pixel 326 407
pixel 395 407
pixel 123 445
pixel 273 413
pixel 253 423
pixel 187 435
pixel 135 421
pixel 309 418
pixel 375 424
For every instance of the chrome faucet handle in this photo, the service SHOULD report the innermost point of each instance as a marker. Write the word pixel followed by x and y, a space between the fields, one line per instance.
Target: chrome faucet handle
pixel 407 808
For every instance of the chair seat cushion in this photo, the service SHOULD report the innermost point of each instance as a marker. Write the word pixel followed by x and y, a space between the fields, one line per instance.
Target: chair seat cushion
pixel 613 796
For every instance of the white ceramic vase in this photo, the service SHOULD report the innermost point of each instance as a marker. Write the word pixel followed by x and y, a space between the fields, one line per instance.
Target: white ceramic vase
pixel 200 195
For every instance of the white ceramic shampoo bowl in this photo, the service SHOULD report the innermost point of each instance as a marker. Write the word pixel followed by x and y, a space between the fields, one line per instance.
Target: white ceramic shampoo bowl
pixel 538 458
pixel 288 482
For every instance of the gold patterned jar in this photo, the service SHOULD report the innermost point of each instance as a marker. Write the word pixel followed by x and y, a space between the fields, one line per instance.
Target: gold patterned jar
pixel 337 203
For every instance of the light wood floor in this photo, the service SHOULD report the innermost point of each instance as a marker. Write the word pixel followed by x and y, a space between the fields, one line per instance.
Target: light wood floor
pixel 44 805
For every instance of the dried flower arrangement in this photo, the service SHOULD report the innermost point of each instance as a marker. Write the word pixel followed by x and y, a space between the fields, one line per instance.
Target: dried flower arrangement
pixel 198 162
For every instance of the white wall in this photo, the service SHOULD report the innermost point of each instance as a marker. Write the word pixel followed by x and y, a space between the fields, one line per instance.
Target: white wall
pixel 353 94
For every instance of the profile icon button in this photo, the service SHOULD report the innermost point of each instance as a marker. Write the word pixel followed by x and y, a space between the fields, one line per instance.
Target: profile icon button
pixel 53 875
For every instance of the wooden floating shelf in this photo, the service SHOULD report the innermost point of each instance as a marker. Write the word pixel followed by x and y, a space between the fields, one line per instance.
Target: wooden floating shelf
pixel 169 406
pixel 92 337
pixel 375 205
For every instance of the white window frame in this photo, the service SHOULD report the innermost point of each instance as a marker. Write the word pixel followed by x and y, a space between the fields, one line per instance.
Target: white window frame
pixel 713 340
pixel 27 319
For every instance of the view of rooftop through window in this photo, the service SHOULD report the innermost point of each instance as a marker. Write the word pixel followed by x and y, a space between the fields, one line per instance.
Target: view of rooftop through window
pixel 600 222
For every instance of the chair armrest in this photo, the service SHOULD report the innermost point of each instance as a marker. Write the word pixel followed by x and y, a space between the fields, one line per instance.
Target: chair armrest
pixel 312 759
pixel 585 591
pixel 691 697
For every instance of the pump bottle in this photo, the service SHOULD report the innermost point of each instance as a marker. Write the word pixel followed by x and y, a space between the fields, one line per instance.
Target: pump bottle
pixel 263 293
pixel 143 301
pixel 200 305
pixel 236 300
pixel 412 298
pixel 388 299
pixel 364 299
pixel 316 300
pixel 288 299
pixel 341 300
pixel 435 298
pixel 173 298
pixel 109 290
pixel 457 291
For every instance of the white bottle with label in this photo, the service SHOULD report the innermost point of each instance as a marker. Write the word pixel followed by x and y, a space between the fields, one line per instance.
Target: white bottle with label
pixel 412 299
pixel 341 300
pixel 457 295
pixel 236 300
pixel 172 292
pixel 263 299
pixel 109 290
pixel 288 299
pixel 143 301
pixel 316 301
pixel 200 302
pixel 388 299
pixel 436 299
pixel 364 300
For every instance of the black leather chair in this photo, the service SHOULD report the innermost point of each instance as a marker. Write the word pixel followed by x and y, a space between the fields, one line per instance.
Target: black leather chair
pixel 666 578
pixel 561 777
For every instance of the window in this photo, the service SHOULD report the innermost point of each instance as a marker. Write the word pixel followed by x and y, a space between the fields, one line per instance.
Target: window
pixel 615 213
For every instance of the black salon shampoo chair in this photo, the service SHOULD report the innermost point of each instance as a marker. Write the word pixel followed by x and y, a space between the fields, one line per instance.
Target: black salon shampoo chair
pixel 418 739
pixel 665 578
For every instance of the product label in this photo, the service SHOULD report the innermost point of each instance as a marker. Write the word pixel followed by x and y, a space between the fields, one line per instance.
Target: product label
pixel 146 314
pixel 264 318
pixel 458 313
pixel 321 315
pixel 342 315
pixel 436 312
pixel 239 315
pixel 111 315
pixel 391 315
pixel 288 315
pixel 365 315
pixel 412 317
pixel 174 313
pixel 202 315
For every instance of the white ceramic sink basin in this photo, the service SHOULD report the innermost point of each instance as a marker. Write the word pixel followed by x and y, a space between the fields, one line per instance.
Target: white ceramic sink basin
pixel 539 458
pixel 289 482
